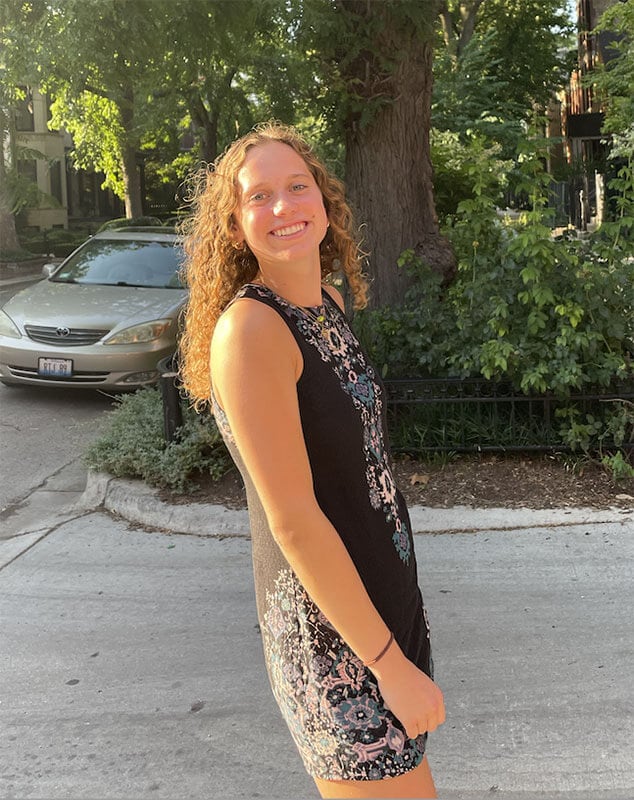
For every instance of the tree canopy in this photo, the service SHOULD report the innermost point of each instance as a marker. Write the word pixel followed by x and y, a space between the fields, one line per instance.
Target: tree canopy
pixel 501 60
pixel 140 80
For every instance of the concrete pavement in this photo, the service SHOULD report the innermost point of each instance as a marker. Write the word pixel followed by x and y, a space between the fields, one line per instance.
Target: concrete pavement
pixel 131 662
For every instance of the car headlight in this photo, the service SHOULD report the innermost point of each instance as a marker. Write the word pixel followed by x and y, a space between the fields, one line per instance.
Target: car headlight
pixel 8 327
pixel 146 332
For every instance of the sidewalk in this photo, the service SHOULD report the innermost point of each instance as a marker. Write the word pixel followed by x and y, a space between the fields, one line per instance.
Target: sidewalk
pixel 132 663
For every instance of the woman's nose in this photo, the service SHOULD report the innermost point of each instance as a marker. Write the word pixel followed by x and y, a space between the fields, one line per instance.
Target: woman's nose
pixel 282 205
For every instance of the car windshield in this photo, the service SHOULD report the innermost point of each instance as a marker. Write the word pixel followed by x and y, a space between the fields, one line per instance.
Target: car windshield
pixel 109 262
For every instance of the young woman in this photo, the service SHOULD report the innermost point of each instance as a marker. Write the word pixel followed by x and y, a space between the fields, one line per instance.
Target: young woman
pixel 267 344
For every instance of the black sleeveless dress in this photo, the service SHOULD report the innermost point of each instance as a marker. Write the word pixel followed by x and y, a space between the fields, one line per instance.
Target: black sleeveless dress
pixel 328 698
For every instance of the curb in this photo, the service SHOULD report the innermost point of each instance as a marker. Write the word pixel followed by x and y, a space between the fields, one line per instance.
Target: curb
pixel 139 503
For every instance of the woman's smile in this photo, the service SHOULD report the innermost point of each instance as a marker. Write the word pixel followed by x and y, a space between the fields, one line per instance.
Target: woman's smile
pixel 290 230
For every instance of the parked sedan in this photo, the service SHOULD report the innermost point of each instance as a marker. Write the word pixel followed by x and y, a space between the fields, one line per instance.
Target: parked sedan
pixel 102 319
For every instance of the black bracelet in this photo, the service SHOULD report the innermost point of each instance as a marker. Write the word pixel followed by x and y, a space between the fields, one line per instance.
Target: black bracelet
pixel 383 652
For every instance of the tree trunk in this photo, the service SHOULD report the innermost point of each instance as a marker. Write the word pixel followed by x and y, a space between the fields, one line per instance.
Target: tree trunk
pixel 469 15
pixel 207 124
pixel 131 182
pixel 8 233
pixel 456 36
pixel 389 180
pixel 129 167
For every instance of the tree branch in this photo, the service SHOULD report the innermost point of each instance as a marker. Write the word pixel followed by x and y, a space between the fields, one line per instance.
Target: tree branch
pixel 448 31
pixel 87 87
pixel 468 15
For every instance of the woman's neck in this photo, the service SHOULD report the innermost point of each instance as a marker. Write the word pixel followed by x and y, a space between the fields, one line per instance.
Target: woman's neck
pixel 299 288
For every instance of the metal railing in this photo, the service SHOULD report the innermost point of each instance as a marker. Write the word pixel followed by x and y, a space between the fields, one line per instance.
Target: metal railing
pixel 457 414
pixel 474 415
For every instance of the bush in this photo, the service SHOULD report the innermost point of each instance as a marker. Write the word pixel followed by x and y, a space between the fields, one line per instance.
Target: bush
pixel 124 222
pixel 548 316
pixel 16 255
pixel 457 162
pixel 57 241
pixel 133 445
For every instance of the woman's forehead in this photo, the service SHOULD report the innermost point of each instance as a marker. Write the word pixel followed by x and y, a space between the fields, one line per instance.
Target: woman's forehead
pixel 271 160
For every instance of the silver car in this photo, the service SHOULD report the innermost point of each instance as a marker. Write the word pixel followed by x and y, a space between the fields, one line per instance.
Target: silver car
pixel 102 319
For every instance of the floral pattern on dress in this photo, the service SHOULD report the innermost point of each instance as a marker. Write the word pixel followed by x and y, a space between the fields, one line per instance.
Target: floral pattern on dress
pixel 222 422
pixel 337 345
pixel 329 699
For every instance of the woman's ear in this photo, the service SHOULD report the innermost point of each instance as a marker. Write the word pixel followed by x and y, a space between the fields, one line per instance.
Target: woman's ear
pixel 235 234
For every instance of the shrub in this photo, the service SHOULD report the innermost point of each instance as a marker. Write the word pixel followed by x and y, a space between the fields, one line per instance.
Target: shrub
pixel 546 315
pixel 16 255
pixel 59 242
pixel 463 169
pixel 125 222
pixel 133 445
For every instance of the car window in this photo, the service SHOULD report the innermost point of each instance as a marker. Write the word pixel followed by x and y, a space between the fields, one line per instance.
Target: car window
pixel 124 263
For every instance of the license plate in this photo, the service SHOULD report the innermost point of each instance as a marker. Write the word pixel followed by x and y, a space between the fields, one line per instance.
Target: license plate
pixel 55 367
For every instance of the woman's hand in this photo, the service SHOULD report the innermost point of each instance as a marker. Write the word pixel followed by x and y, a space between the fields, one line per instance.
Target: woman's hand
pixel 409 693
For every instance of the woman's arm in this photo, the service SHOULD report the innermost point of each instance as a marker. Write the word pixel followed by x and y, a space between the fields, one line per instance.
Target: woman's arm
pixel 255 364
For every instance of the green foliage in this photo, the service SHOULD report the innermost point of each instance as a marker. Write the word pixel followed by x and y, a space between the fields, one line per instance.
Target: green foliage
pixel 528 50
pixel 95 124
pixel 240 67
pixel 57 241
pixel 498 61
pixel 130 76
pixel 9 255
pixel 464 168
pixel 20 192
pixel 466 425
pixel 614 79
pixel 546 315
pixel 125 222
pixel 133 444
pixel 603 432
pixel 617 465
pixel 353 51
pixel 470 100
pixel 622 227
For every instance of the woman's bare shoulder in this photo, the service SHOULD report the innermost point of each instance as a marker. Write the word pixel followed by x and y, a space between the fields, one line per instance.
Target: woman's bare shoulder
pixel 250 333
pixel 246 316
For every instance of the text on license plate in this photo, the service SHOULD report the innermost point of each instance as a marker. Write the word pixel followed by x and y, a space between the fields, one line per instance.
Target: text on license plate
pixel 55 367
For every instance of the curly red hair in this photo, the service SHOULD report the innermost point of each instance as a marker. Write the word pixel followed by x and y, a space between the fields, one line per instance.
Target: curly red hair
pixel 214 270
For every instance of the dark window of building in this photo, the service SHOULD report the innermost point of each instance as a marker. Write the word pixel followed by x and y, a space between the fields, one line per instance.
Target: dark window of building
pixel 24 119
pixel 55 171
pixel 27 168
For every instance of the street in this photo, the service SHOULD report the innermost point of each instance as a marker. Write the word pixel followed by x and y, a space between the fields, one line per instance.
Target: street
pixel 132 666
pixel 42 430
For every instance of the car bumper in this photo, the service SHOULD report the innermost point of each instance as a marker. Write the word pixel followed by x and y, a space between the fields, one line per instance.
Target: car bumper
pixel 93 367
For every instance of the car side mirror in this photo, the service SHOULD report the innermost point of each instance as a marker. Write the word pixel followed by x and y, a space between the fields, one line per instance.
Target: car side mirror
pixel 49 269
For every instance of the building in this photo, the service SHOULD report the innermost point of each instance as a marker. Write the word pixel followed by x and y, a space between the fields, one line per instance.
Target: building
pixel 586 148
pixel 65 193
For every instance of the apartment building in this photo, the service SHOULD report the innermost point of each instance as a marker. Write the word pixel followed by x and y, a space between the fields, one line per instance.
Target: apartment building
pixel 65 192
pixel 582 117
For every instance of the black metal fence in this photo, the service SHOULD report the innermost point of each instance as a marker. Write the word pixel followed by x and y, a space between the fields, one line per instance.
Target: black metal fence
pixel 469 415
pixel 473 415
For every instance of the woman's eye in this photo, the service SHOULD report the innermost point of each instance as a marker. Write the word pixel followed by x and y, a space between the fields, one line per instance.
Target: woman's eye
pixel 298 187
pixel 256 198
